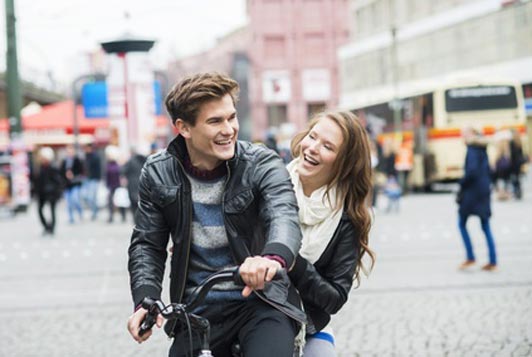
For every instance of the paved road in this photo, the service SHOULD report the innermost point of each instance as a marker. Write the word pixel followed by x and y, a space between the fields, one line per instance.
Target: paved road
pixel 69 295
pixel 416 303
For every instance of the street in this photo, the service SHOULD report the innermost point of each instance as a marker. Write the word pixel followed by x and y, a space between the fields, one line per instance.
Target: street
pixel 69 295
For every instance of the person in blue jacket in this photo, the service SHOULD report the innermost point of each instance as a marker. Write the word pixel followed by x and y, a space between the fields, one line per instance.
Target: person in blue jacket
pixel 475 195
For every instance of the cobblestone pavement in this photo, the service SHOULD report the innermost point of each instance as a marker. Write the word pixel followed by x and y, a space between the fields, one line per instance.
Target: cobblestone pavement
pixel 69 295
pixel 416 303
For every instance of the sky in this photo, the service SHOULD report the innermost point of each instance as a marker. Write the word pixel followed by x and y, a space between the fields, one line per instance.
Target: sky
pixel 56 35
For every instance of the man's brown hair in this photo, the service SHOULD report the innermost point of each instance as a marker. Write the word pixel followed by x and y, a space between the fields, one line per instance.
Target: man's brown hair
pixel 188 95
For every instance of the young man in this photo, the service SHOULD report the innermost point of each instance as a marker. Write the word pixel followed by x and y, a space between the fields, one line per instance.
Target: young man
pixel 223 202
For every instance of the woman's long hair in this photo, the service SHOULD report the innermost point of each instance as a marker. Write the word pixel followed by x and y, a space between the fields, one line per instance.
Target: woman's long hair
pixel 352 177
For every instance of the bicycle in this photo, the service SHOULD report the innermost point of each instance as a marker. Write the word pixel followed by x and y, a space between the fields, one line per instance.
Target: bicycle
pixel 182 312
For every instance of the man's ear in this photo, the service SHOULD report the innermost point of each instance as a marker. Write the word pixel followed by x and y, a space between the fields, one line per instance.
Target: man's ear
pixel 183 128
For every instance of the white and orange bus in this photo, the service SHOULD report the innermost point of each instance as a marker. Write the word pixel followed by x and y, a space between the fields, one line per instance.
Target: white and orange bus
pixel 431 124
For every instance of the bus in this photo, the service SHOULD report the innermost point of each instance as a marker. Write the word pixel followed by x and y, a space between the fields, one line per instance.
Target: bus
pixel 430 124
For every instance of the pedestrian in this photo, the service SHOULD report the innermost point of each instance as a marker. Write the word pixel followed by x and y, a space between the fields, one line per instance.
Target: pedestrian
pixel 517 159
pixel 374 154
pixel 474 197
pixel 331 174
pixel 393 192
pixel 48 187
pixel 72 172
pixel 223 202
pixel 388 158
pixel 404 163
pixel 503 168
pixel 93 170
pixel 112 181
pixel 271 141
pixel 131 172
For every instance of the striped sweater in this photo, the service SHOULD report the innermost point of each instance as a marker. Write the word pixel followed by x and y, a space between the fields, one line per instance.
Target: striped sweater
pixel 209 250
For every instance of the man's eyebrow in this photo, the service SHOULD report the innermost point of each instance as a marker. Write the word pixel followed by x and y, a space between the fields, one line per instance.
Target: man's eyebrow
pixel 221 117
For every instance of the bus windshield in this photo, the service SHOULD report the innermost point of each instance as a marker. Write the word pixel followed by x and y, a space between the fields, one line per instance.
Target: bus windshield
pixel 480 98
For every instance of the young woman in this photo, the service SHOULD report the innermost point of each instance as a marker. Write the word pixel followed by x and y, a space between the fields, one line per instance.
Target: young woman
pixel 331 174
pixel 475 197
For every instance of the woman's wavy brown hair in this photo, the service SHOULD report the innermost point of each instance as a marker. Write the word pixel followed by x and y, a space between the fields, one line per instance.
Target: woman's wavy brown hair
pixel 352 177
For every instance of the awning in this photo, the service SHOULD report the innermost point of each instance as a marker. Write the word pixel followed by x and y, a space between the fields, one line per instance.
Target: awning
pixel 55 122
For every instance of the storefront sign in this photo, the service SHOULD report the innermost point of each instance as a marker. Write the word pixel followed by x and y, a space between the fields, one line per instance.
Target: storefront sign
pixel 276 86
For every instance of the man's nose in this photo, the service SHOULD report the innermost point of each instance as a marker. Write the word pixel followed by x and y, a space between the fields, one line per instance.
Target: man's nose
pixel 227 128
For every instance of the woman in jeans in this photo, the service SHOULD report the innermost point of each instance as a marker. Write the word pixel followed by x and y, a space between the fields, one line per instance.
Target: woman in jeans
pixel 474 197
pixel 331 174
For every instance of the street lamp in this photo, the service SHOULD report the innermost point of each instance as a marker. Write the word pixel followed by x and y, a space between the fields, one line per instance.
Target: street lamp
pixel 133 125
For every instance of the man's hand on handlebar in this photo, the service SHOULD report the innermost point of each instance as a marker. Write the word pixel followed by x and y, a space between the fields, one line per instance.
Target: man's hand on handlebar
pixel 134 322
pixel 255 271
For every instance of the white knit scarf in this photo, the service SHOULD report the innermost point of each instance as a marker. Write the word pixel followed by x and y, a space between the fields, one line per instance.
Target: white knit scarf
pixel 318 216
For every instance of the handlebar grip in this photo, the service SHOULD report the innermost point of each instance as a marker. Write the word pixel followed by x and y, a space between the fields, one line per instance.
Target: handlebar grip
pixel 147 324
pixel 150 318
pixel 237 279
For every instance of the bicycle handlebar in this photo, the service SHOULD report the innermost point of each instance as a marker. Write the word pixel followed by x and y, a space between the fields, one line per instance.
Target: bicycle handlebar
pixel 156 307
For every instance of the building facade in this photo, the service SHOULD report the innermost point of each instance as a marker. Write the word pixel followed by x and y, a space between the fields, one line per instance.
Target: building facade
pixel 403 47
pixel 284 59
pixel 230 55
pixel 294 70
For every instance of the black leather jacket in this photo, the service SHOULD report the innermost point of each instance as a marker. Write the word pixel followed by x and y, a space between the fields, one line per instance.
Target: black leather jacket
pixel 324 286
pixel 260 214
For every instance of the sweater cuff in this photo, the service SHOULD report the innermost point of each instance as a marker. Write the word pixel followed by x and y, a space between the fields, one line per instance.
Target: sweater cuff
pixel 280 250
pixel 144 291
pixel 277 258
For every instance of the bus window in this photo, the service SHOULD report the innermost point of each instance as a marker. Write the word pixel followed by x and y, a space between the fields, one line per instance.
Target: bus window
pixel 480 98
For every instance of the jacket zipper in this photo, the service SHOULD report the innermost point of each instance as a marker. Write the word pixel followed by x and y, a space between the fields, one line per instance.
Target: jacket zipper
pixel 181 293
pixel 223 205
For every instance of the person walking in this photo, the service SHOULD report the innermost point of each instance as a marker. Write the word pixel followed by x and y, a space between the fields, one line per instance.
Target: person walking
pixel 48 187
pixel 374 155
pixel 222 202
pixel 72 172
pixel 503 167
pixel 112 180
pixel 517 159
pixel 389 158
pixel 93 170
pixel 474 198
pixel 392 190
pixel 131 172
pixel 331 174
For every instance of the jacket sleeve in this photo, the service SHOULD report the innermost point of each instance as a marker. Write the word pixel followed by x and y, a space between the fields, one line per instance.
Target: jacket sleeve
pixel 328 288
pixel 277 208
pixel 147 251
